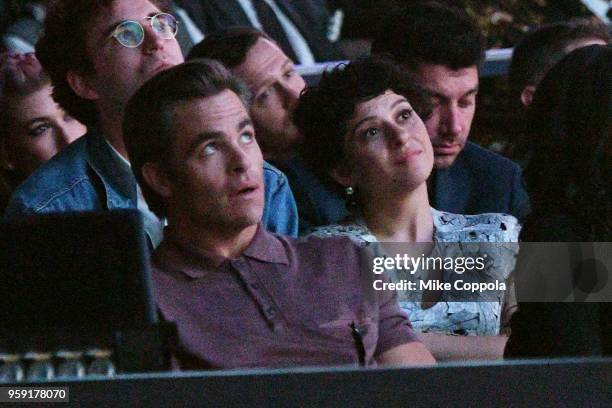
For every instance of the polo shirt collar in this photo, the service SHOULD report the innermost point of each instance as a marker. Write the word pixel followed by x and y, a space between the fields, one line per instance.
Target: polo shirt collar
pixel 177 256
pixel 195 263
pixel 266 247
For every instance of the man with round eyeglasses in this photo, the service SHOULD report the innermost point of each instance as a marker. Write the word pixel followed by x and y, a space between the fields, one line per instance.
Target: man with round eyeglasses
pixel 98 54
pixel 130 33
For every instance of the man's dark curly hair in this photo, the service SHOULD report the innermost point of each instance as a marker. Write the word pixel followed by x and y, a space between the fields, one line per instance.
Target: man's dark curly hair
pixel 62 48
pixel 323 111
pixel 570 169
pixel 431 33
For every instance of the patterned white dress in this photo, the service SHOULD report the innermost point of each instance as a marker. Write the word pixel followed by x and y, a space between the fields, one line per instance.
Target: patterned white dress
pixel 458 313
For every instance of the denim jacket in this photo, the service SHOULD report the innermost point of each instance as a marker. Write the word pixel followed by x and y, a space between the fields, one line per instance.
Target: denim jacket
pixel 87 176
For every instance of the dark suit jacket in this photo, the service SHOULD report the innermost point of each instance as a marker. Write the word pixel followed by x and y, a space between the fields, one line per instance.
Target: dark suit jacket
pixel 309 16
pixel 479 181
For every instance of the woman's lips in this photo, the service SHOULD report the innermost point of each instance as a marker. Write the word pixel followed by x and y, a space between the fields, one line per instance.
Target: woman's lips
pixel 408 155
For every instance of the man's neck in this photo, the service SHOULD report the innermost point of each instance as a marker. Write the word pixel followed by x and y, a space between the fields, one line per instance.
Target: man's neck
pixel 216 241
pixel 402 218
pixel 111 126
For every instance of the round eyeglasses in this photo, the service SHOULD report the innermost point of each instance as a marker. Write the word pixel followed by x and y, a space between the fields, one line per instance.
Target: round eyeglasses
pixel 130 33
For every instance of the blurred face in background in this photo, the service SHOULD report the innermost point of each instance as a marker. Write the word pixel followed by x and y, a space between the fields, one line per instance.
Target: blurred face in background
pixel 38 130
pixel 276 86
pixel 35 128
pixel 529 90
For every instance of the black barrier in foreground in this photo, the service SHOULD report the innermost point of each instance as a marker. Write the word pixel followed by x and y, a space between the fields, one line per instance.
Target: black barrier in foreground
pixel 562 382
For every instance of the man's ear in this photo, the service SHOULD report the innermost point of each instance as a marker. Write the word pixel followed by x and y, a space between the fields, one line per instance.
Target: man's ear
pixel 81 86
pixel 342 175
pixel 527 94
pixel 157 179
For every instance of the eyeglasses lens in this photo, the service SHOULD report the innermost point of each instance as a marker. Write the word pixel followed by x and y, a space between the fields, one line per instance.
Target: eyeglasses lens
pixel 129 34
pixel 165 25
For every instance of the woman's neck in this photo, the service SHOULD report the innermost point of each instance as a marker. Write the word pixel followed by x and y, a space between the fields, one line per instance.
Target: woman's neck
pixel 404 217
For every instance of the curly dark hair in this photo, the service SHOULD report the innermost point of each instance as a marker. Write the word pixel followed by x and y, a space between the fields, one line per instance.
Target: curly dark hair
pixel 432 33
pixel 62 48
pixel 323 111
pixel 570 168
pixel 148 120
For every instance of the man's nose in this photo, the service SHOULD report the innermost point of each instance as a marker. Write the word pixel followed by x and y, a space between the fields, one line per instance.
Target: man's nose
pixel 452 121
pixel 153 40
pixel 291 92
pixel 239 160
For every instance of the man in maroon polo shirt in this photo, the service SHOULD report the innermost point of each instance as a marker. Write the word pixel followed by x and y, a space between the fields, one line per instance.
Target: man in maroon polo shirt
pixel 240 296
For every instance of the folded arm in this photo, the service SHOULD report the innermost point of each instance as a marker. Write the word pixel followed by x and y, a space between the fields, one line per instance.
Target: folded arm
pixel 413 353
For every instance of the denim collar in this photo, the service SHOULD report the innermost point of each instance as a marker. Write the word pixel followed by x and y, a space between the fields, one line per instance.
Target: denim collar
pixel 116 175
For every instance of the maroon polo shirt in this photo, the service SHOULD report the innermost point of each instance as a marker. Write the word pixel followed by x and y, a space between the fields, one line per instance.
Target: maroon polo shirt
pixel 283 302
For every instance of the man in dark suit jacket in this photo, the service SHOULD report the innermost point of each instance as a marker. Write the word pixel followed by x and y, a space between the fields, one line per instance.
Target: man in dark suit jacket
pixel 310 18
pixel 443 48
pixel 479 181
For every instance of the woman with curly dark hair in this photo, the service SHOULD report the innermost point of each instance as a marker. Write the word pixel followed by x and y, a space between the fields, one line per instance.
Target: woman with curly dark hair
pixel 569 178
pixel 364 136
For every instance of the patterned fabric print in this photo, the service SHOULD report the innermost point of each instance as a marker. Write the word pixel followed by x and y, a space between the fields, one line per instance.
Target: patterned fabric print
pixel 464 313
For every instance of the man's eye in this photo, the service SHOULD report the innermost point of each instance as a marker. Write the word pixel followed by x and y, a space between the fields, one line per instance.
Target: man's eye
pixel 209 149
pixel 467 102
pixel 246 138
pixel 289 73
pixel 39 130
pixel 264 95
pixel 370 133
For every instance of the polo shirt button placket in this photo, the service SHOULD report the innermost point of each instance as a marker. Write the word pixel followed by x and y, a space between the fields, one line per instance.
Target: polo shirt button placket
pixel 271 312
pixel 274 323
